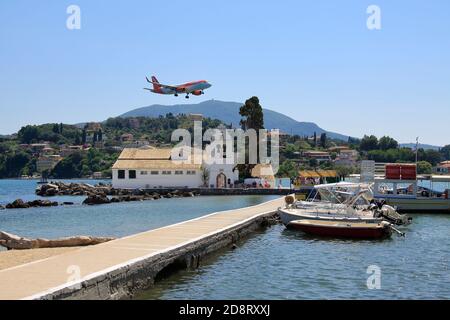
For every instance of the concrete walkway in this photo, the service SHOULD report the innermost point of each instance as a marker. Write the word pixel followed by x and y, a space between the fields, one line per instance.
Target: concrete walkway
pixel 41 278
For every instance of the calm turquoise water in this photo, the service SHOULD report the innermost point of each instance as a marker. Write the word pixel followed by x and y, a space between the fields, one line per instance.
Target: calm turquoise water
pixel 283 264
pixel 117 219
pixel 272 264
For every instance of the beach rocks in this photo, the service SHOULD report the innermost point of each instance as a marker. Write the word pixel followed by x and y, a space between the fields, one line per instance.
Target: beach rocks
pixel 73 189
pixel 42 203
pixel 17 204
pixel 96 199
pixel 20 204
pixel 2 207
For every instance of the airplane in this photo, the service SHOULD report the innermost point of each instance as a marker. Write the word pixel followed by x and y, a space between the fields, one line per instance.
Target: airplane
pixel 195 87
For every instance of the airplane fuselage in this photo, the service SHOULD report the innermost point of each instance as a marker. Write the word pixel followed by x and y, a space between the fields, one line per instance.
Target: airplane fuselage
pixel 184 88
pixel 194 87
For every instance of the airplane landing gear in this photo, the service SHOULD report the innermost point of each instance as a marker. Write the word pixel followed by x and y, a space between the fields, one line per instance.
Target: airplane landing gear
pixel 176 94
pixel 187 96
pixel 203 92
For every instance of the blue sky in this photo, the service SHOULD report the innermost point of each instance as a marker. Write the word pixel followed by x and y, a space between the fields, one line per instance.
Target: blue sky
pixel 312 60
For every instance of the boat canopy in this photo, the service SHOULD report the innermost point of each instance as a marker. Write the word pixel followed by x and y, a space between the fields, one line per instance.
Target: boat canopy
pixel 342 184
pixel 440 178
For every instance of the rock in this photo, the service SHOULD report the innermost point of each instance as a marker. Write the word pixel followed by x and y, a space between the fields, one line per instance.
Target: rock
pixel 17 204
pixel 12 241
pixel 138 192
pixel 2 207
pixel 67 203
pixel 115 200
pixel 94 200
pixel 188 194
pixel 50 192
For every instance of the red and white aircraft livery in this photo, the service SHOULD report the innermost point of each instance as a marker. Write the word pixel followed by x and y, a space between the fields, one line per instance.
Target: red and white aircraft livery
pixel 194 87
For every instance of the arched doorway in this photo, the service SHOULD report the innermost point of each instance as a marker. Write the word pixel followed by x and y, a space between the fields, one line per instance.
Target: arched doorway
pixel 221 181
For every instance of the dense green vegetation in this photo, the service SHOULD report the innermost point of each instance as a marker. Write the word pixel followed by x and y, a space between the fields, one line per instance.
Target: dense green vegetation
pixel 84 164
pixel 385 149
pixel 52 132
pixel 16 161
pixel 152 129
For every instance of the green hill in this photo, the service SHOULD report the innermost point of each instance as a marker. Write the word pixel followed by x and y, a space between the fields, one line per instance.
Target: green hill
pixel 228 112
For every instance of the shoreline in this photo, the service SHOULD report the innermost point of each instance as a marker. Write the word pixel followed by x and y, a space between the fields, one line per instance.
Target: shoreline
pixel 123 267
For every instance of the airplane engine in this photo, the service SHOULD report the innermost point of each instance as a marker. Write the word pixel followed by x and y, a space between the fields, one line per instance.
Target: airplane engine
pixel 197 92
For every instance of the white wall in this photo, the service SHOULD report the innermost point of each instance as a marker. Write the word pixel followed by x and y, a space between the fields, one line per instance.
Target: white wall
pixel 156 181
pixel 226 169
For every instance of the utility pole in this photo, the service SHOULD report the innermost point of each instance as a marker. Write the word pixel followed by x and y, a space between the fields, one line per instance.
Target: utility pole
pixel 417 149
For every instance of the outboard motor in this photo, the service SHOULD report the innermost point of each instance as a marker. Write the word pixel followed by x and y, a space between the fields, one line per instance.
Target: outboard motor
pixel 390 214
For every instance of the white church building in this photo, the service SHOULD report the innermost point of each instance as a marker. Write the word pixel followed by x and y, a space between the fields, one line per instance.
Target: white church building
pixel 148 167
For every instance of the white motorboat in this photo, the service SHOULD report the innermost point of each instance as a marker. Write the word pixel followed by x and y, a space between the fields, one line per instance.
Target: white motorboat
pixel 351 202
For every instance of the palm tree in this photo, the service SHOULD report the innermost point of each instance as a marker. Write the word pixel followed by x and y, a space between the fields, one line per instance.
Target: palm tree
pixel 205 176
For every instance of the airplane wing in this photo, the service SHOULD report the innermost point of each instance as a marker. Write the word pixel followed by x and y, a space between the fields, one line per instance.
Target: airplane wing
pixel 165 85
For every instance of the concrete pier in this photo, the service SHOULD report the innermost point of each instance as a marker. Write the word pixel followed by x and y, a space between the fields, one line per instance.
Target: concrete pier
pixel 120 268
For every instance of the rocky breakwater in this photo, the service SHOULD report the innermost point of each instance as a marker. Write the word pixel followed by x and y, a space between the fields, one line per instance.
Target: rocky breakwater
pixel 20 204
pixel 133 195
pixel 72 189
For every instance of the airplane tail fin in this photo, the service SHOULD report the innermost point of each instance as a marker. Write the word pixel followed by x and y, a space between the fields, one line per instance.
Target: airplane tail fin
pixel 155 82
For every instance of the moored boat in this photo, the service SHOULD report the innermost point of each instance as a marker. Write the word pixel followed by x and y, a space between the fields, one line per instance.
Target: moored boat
pixel 343 229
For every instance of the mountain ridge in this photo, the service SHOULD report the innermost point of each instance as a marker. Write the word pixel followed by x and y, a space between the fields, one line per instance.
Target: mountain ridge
pixel 228 112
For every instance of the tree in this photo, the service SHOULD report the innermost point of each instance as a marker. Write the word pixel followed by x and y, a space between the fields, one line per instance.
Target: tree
pixel 344 171
pixel 315 139
pixel 77 139
pixel 387 143
pixel 205 176
pixel 424 167
pixel 369 143
pixel 445 151
pixel 55 128
pixel 253 117
pixel 14 164
pixel 288 169
pixel 432 156
pixel 28 134
pixel 313 163
pixel 61 128
pixel 323 140
pixel 100 135
pixel 83 137
pixel 69 167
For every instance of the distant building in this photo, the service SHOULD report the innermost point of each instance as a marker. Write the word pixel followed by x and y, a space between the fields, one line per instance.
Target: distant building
pixel 136 144
pixel 47 162
pixel 338 149
pixel 97 175
pixel 149 167
pixel 68 150
pixel 195 117
pixel 39 147
pixel 320 156
pixel 127 137
pixel 347 158
pixel 442 168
